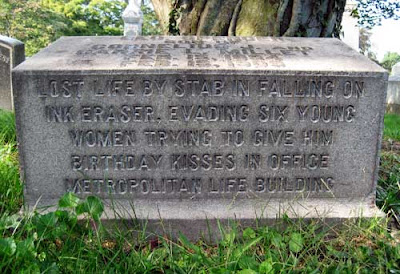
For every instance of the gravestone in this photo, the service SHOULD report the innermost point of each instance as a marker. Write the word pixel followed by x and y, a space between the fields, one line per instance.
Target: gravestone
pixel 12 53
pixel 393 92
pixel 194 129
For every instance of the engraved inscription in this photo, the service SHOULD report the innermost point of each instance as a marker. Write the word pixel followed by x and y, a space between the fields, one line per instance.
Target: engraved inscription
pixel 212 136
pixel 4 58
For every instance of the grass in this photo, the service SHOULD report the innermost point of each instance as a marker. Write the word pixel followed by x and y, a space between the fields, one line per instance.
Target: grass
pixel 392 127
pixel 57 242
pixel 10 186
pixel 50 243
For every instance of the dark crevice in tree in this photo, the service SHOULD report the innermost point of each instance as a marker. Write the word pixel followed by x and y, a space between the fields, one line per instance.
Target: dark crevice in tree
pixel 329 18
pixel 183 16
pixel 333 18
pixel 233 23
pixel 198 7
pixel 216 17
pixel 314 21
pixel 294 19
pixel 173 20
pixel 338 24
pixel 283 17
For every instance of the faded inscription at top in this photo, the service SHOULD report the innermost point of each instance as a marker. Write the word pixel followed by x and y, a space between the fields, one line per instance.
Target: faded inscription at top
pixel 208 52
pixel 196 53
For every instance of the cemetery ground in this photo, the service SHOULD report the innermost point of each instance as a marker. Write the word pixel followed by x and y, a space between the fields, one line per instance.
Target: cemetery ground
pixel 56 242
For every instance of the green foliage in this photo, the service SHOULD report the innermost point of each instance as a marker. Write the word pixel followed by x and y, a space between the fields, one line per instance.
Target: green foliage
pixel 69 200
pixel 296 242
pixel 391 130
pixel 151 25
pixel 30 22
pixel 174 14
pixel 388 189
pixel 389 60
pixel 89 17
pixel 40 22
pixel 371 12
pixel 7 127
pixel 10 185
pixel 7 247
pixel 92 206
pixel 33 243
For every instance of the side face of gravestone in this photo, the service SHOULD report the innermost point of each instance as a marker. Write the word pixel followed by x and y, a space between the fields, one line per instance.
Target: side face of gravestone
pixel 12 53
pixel 190 129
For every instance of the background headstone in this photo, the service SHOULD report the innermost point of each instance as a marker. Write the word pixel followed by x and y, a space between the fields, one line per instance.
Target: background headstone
pixel 396 70
pixel 196 129
pixel 393 93
pixel 12 53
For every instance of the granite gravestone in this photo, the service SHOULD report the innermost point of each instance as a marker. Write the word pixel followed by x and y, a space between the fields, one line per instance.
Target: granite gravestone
pixel 190 130
pixel 12 53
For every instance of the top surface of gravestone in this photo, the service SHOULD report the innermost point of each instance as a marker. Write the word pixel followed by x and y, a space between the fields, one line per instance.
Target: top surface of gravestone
pixel 12 52
pixel 10 41
pixel 199 53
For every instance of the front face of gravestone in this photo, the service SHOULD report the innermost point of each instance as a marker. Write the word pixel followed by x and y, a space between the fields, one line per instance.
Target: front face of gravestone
pixel 178 119
pixel 5 76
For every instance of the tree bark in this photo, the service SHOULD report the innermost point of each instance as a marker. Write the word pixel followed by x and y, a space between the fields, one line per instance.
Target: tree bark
pixel 162 9
pixel 305 18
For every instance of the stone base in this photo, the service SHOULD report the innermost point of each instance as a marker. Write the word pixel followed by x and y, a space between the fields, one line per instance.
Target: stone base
pixel 197 220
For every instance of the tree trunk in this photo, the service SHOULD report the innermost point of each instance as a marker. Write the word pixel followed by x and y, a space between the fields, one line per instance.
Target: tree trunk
pixel 306 18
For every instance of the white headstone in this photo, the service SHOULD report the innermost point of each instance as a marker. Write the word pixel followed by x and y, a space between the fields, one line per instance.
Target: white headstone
pixel 396 70
pixel 133 19
pixel 393 91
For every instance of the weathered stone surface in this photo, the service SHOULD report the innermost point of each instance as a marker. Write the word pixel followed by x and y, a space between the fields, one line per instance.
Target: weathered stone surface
pixel 12 53
pixel 188 129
